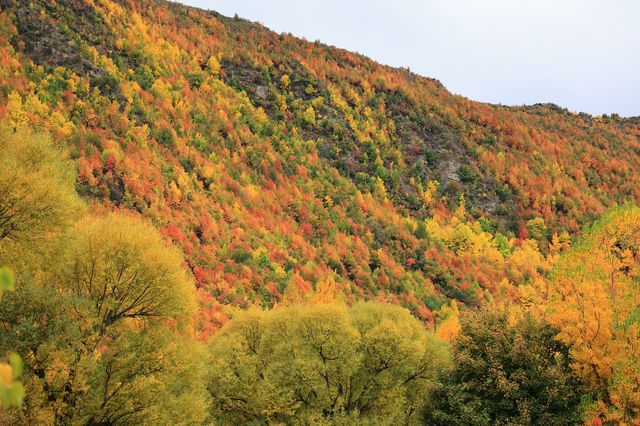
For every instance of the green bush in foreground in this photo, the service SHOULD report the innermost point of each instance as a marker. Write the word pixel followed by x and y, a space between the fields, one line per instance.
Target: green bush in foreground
pixel 506 374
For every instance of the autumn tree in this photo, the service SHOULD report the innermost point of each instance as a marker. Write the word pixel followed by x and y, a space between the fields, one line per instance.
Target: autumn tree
pixel 107 329
pixel 592 298
pixel 213 66
pixel 309 116
pixel 37 196
pixel 123 268
pixel 323 364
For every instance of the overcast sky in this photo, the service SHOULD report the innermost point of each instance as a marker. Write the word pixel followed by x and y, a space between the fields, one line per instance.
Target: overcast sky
pixel 580 54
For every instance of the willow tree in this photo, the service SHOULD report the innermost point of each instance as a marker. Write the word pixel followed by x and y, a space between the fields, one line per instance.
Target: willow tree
pixel 37 192
pixel 105 330
pixel 37 198
pixel 120 268
pixel 323 364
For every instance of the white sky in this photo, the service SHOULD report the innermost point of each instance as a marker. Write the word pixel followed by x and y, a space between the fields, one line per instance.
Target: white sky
pixel 579 54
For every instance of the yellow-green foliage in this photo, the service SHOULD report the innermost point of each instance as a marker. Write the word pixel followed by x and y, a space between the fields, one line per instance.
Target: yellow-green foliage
pixel 116 342
pixel 11 391
pixel 37 191
pixel 102 315
pixel 7 280
pixel 122 265
pixel 323 364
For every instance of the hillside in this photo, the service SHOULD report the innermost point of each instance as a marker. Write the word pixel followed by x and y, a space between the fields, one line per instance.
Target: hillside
pixel 205 222
pixel 272 161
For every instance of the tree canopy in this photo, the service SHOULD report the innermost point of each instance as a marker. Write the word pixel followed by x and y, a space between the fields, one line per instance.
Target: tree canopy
pixel 323 364
pixel 504 373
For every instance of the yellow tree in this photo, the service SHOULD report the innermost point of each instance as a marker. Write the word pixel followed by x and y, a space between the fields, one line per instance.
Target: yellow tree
pixel 291 295
pixel 37 196
pixel 326 291
pixel 108 320
pixel 213 66
pixel 593 298
pixel 449 326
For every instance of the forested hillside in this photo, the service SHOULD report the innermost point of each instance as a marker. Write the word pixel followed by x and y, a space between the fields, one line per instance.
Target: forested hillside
pixel 270 160
pixel 232 167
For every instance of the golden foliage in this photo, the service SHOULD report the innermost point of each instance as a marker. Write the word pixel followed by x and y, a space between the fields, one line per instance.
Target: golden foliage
pixel 593 298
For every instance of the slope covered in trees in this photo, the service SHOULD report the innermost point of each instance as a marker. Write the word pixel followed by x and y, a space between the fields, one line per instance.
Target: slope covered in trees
pixel 271 161
pixel 196 208
pixel 103 318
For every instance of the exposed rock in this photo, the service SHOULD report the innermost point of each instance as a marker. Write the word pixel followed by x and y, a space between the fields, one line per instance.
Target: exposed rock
pixel 47 45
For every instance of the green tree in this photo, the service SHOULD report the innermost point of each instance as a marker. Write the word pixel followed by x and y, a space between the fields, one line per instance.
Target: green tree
pixel 105 331
pixel 537 229
pixel 323 364
pixel 37 191
pixel 121 266
pixel 506 374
